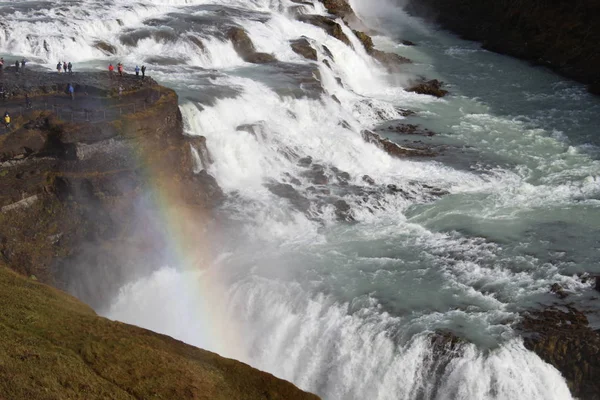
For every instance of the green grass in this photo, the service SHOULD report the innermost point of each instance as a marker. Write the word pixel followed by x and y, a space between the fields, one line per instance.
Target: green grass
pixel 52 346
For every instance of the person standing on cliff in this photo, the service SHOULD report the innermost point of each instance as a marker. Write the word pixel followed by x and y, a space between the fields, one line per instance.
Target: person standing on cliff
pixel 137 71
pixel 71 91
pixel 58 67
pixel 70 66
pixel 7 120
pixel 65 66
pixel 17 66
pixel 23 64
pixel 111 70
pixel 120 69
pixel 143 71
pixel 1 64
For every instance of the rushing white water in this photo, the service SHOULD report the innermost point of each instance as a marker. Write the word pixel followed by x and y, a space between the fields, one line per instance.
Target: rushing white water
pixel 348 310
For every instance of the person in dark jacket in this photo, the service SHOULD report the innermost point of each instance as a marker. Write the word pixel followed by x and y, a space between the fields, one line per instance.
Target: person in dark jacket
pixel 65 66
pixel 70 66
pixel 17 66
pixel 143 71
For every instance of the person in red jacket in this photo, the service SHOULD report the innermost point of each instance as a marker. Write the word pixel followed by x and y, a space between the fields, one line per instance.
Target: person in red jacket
pixel 111 70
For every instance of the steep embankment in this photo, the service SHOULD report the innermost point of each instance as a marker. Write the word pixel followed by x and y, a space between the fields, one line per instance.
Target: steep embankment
pixel 83 181
pixel 54 347
pixel 562 35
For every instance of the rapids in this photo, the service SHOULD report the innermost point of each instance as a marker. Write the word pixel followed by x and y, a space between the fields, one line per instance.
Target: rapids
pixel 347 309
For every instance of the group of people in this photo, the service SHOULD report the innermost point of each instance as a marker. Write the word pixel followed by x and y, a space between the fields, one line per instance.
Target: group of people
pixel 19 66
pixel 111 70
pixel 64 67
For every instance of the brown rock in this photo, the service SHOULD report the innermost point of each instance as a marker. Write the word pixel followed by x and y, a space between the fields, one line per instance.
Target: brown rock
pixel 303 47
pixel 394 149
pixel 339 8
pixel 432 88
pixel 245 48
pixel 558 290
pixel 391 61
pixel 329 25
pixel 105 47
pixel 565 340
pixel 366 40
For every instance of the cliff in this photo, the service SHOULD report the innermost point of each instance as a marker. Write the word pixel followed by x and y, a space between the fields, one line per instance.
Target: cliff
pixel 84 181
pixel 54 347
pixel 562 35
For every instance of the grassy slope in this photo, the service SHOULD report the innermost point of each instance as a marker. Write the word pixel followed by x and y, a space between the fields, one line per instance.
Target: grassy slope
pixel 52 346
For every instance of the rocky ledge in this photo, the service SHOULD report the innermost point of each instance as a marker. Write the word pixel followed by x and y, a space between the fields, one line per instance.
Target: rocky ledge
pixel 561 35
pixel 563 338
pixel 82 180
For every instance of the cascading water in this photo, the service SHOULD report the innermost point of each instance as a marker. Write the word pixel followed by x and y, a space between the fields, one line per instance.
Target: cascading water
pixel 460 243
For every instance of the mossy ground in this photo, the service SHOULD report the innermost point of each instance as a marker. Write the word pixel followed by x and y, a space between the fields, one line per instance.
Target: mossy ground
pixel 54 347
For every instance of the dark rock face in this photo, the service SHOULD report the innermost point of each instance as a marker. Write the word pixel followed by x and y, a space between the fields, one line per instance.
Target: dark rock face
pixel 431 88
pixel 303 47
pixel 78 199
pixel 329 25
pixel 394 149
pixel 339 8
pixel 391 61
pixel 106 47
pixel 558 290
pixel 245 48
pixel 561 35
pixel 288 192
pixel 565 340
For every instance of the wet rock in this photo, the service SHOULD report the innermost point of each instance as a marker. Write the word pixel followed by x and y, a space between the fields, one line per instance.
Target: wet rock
pixel 432 87
pixel 328 52
pixel 327 64
pixel 343 211
pixel 335 98
pixel 329 25
pixel 559 291
pixel 368 179
pixel 316 175
pixel 339 8
pixel 391 61
pixel 305 161
pixel 303 47
pixel 366 40
pixel 565 340
pixel 288 192
pixel 594 88
pixel 409 129
pixel 195 40
pixel 407 43
pixel 245 48
pixel 105 47
pixel 198 143
pixel 394 149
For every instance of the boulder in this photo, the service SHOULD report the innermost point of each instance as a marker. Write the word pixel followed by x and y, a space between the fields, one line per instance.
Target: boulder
pixel 288 192
pixel 558 290
pixel 343 212
pixel 303 47
pixel 105 47
pixel 432 88
pixel 391 61
pixel 329 25
pixel 339 8
pixel 394 149
pixel 366 40
pixel 245 48
pixel 565 340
